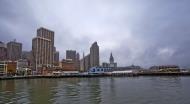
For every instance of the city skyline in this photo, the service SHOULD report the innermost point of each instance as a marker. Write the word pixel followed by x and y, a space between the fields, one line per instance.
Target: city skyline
pixel 145 33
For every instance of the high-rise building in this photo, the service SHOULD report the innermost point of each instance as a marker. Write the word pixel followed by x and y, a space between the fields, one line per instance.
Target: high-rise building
pixel 91 59
pixel 78 61
pixel 71 54
pixel 85 63
pixel 14 50
pixel 94 55
pixel 82 64
pixel 46 34
pixel 74 56
pixel 43 48
pixel 56 58
pixel 3 51
pixel 77 56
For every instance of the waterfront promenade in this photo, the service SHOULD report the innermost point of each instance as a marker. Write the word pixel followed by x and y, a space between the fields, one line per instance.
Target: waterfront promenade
pixel 98 75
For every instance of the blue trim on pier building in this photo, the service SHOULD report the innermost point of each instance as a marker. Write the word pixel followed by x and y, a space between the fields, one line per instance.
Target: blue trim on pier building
pixel 99 70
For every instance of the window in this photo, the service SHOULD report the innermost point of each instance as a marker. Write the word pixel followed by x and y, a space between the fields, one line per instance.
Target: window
pixel 98 70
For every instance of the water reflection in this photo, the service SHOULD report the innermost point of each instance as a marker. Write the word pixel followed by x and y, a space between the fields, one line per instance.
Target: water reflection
pixel 110 90
pixel 73 90
pixel 13 91
pixel 169 80
pixel 40 90
pixel 94 90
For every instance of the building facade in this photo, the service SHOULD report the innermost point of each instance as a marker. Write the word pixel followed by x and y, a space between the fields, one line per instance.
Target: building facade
pixel 78 61
pixel 74 56
pixel 43 49
pixel 105 64
pixel 2 68
pixel 90 60
pixel 68 65
pixel 8 67
pixel 112 63
pixel 99 70
pixel 22 66
pixel 71 54
pixel 14 50
pixel 94 55
pixel 56 58
pixel 27 55
pixel 165 68
pixel 87 62
pixel 3 51
pixel 82 64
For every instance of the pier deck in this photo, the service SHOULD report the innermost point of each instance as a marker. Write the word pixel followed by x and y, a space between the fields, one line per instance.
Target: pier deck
pixel 99 75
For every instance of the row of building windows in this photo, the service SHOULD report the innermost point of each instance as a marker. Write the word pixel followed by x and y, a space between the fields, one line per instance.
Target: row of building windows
pixel 99 69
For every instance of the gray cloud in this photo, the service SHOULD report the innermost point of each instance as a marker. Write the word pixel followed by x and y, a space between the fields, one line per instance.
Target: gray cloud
pixel 144 32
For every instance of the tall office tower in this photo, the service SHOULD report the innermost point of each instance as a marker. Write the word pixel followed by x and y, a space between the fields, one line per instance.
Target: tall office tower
pixel 43 48
pixel 56 58
pixel 87 62
pixel 82 64
pixel 14 50
pixel 71 54
pixel 94 55
pixel 78 61
pixel 3 51
pixel 77 56
pixel 47 34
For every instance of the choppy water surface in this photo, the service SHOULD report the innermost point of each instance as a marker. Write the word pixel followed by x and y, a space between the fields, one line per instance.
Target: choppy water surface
pixel 109 90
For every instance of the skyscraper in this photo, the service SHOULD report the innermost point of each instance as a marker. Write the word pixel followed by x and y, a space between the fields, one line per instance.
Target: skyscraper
pixel 43 48
pixel 82 66
pixel 71 54
pixel 3 51
pixel 14 50
pixel 78 61
pixel 94 55
pixel 75 57
pixel 87 62
pixel 56 58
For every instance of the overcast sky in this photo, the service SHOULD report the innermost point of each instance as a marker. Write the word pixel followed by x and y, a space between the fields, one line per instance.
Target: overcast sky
pixel 140 32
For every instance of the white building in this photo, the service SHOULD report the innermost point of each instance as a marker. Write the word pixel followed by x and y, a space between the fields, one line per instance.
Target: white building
pixel 99 70
pixel 22 66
